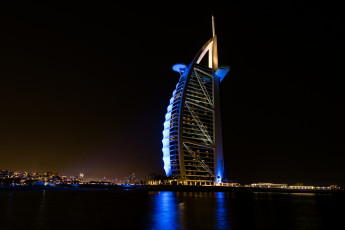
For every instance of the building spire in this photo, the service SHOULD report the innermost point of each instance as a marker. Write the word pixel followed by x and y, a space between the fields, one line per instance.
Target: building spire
pixel 210 47
pixel 213 27
pixel 214 50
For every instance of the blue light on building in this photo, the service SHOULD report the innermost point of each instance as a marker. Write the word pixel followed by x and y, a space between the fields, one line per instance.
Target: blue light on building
pixel 192 135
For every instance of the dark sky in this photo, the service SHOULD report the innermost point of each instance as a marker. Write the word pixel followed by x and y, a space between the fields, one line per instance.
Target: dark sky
pixel 85 87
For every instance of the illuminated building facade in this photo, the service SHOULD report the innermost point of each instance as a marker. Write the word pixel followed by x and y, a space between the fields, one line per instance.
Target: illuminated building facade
pixel 192 135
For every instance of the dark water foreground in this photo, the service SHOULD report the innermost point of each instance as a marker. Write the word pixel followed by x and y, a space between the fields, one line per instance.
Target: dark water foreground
pixel 107 209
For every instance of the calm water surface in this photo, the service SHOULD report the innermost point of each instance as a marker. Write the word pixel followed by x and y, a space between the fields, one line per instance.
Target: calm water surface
pixel 168 210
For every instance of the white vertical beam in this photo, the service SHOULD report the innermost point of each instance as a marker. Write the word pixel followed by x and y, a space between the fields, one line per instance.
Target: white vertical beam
pixel 213 27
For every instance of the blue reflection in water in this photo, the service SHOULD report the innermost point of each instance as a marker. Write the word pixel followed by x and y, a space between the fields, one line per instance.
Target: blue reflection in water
pixel 166 213
pixel 222 221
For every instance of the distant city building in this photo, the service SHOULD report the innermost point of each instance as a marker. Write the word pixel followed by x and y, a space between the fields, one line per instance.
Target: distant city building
pixel 301 187
pixel 192 136
pixel 268 185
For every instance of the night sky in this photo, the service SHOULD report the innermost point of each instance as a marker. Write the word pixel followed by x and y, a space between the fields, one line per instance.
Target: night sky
pixel 85 87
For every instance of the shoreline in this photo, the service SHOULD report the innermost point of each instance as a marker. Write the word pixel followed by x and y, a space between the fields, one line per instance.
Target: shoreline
pixel 173 188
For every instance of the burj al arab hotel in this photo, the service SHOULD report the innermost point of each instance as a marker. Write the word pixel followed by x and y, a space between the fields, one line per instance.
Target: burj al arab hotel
pixel 192 135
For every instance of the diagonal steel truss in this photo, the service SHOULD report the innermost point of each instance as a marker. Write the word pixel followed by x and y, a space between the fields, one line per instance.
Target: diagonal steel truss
pixel 198 159
pixel 200 135
pixel 199 123
pixel 202 86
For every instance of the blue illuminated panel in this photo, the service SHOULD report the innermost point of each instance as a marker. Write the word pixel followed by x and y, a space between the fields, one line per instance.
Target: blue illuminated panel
pixel 221 72
pixel 166 138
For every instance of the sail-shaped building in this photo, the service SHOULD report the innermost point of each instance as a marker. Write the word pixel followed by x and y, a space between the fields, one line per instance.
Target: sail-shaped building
pixel 192 135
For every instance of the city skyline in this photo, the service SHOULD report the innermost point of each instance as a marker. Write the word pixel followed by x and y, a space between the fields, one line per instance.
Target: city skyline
pixel 83 88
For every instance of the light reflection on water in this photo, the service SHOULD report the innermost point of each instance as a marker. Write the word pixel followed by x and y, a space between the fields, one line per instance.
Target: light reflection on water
pixel 166 213
pixel 222 222
pixel 189 210
pixel 167 210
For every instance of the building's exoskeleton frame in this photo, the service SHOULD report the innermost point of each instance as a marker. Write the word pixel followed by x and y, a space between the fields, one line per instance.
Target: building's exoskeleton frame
pixel 192 136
